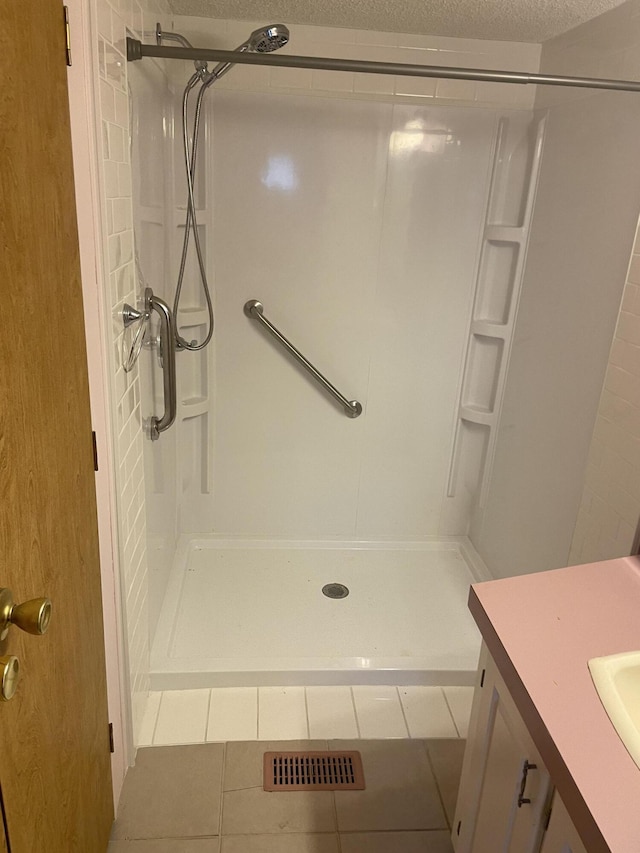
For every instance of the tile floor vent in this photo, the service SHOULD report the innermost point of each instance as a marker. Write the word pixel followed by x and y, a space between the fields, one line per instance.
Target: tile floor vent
pixel 313 771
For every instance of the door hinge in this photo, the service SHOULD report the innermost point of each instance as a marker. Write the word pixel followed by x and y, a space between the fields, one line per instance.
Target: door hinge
pixel 95 451
pixel 67 31
pixel 458 827
pixel 112 747
pixel 483 671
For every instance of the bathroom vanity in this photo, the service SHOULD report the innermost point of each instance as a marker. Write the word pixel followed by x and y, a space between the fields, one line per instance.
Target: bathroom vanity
pixel 544 768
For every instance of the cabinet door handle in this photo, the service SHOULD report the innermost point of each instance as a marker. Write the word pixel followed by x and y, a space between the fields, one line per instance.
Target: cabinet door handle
pixel 523 783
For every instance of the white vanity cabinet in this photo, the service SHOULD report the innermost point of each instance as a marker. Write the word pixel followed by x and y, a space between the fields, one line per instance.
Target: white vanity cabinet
pixel 505 796
pixel 561 835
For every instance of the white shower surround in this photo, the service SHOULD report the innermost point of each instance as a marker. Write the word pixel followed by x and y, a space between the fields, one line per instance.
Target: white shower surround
pixel 241 613
pixel 355 210
pixel 176 458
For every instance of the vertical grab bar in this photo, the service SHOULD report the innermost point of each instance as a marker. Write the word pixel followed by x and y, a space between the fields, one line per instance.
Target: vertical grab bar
pixel 168 362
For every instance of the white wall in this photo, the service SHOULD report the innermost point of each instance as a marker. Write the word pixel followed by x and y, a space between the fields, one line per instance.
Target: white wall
pixel 583 230
pixel 367 261
pixel 353 207
pixel 610 502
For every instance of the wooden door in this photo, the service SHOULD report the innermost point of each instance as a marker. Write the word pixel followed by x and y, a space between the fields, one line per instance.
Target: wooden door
pixel 54 745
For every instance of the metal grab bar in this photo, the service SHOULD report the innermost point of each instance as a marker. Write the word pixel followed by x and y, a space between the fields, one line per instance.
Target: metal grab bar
pixel 168 362
pixel 255 311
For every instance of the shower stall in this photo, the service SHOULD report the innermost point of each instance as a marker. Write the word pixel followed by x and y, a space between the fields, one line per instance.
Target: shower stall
pixel 404 245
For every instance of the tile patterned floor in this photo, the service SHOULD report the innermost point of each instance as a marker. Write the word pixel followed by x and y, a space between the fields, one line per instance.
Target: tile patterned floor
pixel 208 798
pixel 285 713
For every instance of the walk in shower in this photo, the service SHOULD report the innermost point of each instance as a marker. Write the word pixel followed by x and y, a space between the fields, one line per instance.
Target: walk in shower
pixel 403 243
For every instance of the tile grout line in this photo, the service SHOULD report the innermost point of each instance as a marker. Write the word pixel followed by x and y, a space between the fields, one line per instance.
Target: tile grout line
pixel 222 781
pixel 404 716
pixel 257 713
pixel 206 722
pixel 455 724
pixel 306 713
pixel 155 725
pixel 335 809
pixel 255 731
pixel 435 779
pixel 355 712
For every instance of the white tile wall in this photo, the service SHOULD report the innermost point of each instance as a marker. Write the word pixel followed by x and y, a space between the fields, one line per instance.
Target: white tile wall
pixel 292 713
pixel 459 700
pixel 427 712
pixel 111 22
pixel 379 712
pixel 182 717
pixel 282 712
pixel 233 714
pixel 331 713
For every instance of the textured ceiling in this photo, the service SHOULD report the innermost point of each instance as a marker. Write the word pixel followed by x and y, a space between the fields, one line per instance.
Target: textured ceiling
pixel 505 20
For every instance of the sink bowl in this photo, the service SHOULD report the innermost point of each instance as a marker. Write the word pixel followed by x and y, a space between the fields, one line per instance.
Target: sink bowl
pixel 617 680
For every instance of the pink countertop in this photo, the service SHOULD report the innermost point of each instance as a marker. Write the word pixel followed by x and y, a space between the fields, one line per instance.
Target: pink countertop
pixel 541 630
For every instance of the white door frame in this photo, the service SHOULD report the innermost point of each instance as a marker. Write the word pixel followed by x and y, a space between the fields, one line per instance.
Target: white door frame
pixel 88 178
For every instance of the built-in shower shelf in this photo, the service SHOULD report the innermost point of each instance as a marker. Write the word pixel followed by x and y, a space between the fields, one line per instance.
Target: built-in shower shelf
pixel 477 415
pixel 497 293
pixel 505 233
pixel 193 407
pixel 192 317
pixel 485 329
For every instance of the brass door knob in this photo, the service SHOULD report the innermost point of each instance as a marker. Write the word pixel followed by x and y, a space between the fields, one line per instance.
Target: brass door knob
pixel 33 616
pixel 9 677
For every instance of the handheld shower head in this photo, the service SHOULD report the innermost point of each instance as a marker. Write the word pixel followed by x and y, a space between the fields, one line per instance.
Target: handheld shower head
pixel 263 40
pixel 266 39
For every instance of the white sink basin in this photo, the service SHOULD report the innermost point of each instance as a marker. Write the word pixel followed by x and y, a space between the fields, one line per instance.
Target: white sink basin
pixel 617 680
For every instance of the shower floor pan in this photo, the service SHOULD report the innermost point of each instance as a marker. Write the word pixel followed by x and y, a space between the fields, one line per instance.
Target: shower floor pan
pixel 252 613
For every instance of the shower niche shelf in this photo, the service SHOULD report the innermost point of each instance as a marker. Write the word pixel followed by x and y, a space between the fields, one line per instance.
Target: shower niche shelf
pixel 514 179
pixel 192 317
pixel 193 407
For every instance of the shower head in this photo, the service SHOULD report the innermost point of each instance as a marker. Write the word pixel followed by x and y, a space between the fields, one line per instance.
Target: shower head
pixel 263 40
pixel 266 39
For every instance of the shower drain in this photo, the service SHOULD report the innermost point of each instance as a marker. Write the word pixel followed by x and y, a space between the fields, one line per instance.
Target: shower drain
pixel 335 590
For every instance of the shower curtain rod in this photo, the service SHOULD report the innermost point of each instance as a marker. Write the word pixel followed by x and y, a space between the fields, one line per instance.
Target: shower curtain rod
pixel 137 50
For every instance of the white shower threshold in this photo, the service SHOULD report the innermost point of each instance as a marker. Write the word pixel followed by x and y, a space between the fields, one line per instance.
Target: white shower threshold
pixel 251 613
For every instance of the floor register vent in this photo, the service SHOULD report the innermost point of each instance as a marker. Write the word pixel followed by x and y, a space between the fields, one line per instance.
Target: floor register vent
pixel 313 771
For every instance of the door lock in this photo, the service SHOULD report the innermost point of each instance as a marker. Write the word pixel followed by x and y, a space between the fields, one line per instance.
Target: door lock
pixel 9 675
pixel 33 616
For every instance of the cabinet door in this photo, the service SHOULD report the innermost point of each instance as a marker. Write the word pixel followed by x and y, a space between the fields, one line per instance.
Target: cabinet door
pixel 561 835
pixel 505 788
